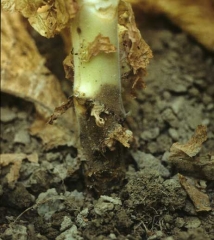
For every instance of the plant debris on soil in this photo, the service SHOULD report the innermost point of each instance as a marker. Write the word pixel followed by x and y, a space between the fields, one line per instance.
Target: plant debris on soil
pixel 168 192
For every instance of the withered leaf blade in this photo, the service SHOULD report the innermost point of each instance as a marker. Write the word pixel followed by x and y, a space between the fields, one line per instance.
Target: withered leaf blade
pixel 53 135
pixel 193 146
pixel 24 75
pixel 194 17
pixel 15 160
pixel 199 199
pixel 26 7
pixel 136 54
pixel 46 17
pixel 183 156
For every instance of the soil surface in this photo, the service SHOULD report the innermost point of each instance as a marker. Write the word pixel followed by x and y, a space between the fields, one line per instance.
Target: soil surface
pixel 50 200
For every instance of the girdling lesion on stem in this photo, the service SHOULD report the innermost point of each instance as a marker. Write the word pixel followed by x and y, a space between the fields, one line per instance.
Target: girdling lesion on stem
pixel 103 168
pixel 97 93
pixel 97 58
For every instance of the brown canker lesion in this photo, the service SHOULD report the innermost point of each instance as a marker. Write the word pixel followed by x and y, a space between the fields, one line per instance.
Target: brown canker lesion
pixel 103 160
pixel 102 139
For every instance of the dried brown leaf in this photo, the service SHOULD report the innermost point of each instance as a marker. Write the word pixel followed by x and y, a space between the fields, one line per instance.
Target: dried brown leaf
pixel 26 7
pixel 34 158
pixel 100 44
pixel 194 17
pixel 193 146
pixel 24 75
pixel 135 53
pixel 46 17
pixel 183 156
pixel 52 135
pixel 199 199
pixel 15 159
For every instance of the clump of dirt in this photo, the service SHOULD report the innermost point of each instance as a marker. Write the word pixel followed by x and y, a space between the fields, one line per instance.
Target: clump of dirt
pixel 49 200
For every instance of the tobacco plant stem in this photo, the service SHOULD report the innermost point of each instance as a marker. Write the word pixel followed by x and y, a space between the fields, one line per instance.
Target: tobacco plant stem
pixel 97 82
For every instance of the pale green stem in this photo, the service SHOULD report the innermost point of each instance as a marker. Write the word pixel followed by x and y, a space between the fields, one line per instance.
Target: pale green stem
pixel 95 17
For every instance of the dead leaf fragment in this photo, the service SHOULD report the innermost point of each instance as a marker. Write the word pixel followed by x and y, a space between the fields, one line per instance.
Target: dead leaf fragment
pixel 34 158
pixel 52 135
pixel 183 156
pixel 199 199
pixel 23 74
pixel 194 17
pixel 100 44
pixel 193 146
pixel 135 53
pixel 46 17
pixel 138 52
pixel 15 159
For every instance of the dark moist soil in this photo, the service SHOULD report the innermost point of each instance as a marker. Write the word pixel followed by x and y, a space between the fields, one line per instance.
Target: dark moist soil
pixel 152 204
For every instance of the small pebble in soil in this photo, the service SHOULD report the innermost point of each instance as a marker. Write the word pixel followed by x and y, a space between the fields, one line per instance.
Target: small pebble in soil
pixel 168 218
pixel 66 223
pixel 71 233
pixel 112 236
pixel 173 133
pixel 106 203
pixel 189 208
pixel 50 202
pixel 165 157
pixel 179 222
pixel 22 115
pixel 205 122
pixel 177 104
pixel 60 172
pixel 210 106
pixel 7 115
pixel 81 217
pixel 170 118
pixel 192 222
pixel 22 136
pixel 18 232
pixel 194 92
pixel 167 95
pixel 148 163
pixel 156 235
pixel 150 134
